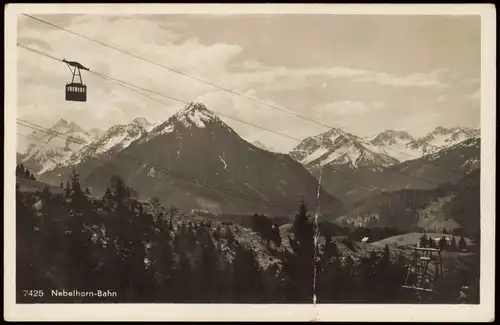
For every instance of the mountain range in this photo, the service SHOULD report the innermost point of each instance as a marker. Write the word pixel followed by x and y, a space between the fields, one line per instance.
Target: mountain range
pixel 336 147
pixel 194 160
pixel 353 168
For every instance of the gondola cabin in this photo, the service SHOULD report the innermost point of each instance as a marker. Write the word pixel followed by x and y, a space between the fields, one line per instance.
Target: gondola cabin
pixel 76 92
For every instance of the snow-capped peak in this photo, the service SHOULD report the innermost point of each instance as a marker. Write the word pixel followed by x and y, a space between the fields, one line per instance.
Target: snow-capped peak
pixel 195 113
pixel 338 148
pixel 389 147
pixel 390 137
pixel 116 138
pixel 64 126
pixel 441 138
pixel 456 131
pixel 142 122
pixel 55 145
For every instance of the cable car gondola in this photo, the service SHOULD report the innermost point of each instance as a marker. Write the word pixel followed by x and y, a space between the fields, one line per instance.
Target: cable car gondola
pixel 76 91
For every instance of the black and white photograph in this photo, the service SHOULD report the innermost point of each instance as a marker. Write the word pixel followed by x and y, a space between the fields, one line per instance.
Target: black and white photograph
pixel 250 158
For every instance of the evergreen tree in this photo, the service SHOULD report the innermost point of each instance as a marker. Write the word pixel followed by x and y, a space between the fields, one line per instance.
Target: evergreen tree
pixel 155 203
pixel 424 241
pixel 161 257
pixel 206 267
pixel 276 237
pixel 27 174
pixel 453 245
pixel 30 264
pixel 107 194
pixel 348 279
pixel 184 289
pixel 443 243
pixel 329 286
pixel 368 277
pixel 382 276
pixel 299 265
pixel 62 185
pixel 462 245
pixel 248 283
pixel 432 243
pixel 67 190
pixel 79 242
pixel 229 236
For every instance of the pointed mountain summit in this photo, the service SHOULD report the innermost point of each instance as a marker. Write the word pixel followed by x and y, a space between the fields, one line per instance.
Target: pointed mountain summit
pixel 64 126
pixel 390 137
pixel 194 115
pixel 51 148
pixel 61 122
pixel 194 160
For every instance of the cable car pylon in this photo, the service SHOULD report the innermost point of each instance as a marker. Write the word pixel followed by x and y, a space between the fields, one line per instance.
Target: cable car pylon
pixel 76 91
pixel 425 271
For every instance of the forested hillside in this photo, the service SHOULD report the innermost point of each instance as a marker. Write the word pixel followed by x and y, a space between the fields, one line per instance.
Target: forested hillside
pixel 147 253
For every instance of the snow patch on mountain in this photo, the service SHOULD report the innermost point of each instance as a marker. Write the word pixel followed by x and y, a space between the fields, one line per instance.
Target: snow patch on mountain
pixel 223 161
pixel 95 133
pixel 315 155
pixel 262 146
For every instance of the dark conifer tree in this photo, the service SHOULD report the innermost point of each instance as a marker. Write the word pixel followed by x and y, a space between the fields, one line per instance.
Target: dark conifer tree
pixel 443 243
pixel 67 190
pixel 424 241
pixel 79 241
pixel 248 283
pixel 453 245
pixel 299 265
pixel 462 245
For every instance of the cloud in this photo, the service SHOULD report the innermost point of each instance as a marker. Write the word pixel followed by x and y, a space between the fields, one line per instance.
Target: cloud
pixel 442 98
pixel 346 108
pixel 252 73
pixel 411 80
pixel 352 96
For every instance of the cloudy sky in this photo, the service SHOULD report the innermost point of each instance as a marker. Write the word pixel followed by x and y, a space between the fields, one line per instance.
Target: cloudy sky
pixel 361 73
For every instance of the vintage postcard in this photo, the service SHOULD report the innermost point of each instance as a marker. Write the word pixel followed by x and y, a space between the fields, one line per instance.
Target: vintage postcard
pixel 259 162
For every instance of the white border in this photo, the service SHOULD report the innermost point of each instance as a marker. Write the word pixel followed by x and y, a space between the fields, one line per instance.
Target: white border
pixel 221 312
